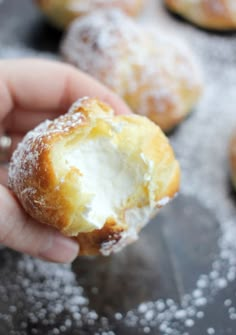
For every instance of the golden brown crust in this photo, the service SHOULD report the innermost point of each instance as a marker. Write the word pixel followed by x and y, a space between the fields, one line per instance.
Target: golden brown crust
pixel 63 12
pixel 51 194
pixel 34 180
pixel 210 14
pixel 91 243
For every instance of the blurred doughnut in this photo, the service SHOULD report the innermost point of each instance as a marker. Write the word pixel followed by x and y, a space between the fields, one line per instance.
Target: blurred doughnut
pixel 210 14
pixel 154 73
pixel 63 12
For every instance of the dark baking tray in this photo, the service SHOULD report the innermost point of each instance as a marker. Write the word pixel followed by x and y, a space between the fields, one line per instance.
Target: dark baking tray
pixel 125 293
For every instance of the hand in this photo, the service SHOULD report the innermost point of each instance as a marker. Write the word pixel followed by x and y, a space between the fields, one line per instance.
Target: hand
pixel 30 92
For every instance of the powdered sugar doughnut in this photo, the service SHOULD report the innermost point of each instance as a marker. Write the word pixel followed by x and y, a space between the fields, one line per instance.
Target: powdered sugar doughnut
pixel 95 176
pixel 62 12
pixel 156 74
pixel 211 14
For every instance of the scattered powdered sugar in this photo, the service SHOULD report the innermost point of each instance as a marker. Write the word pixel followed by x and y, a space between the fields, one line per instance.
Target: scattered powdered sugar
pixel 55 293
pixel 35 295
pixel 201 145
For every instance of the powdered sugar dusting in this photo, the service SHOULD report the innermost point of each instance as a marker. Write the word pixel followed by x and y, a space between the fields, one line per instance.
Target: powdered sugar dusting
pixel 21 165
pixel 77 105
pixel 25 158
pixel 150 68
pixel 36 296
pixel 94 49
pixel 45 296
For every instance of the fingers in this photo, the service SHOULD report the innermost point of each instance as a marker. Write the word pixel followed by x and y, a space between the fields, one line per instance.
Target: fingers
pixel 20 120
pixel 33 85
pixel 18 231
pixel 36 90
pixel 6 99
pixel 3 175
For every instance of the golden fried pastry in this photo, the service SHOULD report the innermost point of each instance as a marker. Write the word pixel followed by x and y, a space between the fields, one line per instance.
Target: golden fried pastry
pixel 155 74
pixel 232 158
pixel 211 14
pixel 63 12
pixel 95 176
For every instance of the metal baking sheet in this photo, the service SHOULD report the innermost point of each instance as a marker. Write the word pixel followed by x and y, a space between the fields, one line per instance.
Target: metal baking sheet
pixel 179 278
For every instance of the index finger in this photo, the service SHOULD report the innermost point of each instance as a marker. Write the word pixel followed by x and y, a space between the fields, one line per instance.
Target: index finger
pixel 44 85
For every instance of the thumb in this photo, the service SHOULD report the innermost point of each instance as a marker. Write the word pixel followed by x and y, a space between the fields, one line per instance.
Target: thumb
pixel 3 177
pixel 18 231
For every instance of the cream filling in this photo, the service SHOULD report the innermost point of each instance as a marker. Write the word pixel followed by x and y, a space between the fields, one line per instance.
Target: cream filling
pixel 108 178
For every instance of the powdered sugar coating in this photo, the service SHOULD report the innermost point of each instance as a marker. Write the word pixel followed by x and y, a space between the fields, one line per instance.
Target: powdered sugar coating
pixel 154 73
pixel 94 49
pixel 41 297
pixel 90 184
pixel 26 156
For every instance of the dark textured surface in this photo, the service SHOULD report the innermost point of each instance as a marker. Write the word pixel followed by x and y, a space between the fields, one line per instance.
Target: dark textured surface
pixel 165 263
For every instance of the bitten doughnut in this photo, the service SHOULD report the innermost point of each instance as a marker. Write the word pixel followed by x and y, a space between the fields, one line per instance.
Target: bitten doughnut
pixel 95 176
pixel 210 14
pixel 155 74
pixel 232 158
pixel 63 12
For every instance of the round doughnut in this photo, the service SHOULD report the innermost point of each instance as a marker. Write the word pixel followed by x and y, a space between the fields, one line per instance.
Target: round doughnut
pixel 95 176
pixel 210 14
pixel 232 158
pixel 63 12
pixel 154 73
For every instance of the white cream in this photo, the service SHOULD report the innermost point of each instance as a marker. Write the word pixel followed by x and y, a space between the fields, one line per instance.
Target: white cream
pixel 107 176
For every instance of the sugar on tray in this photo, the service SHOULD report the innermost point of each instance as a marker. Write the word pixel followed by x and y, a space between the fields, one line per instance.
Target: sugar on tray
pixel 49 294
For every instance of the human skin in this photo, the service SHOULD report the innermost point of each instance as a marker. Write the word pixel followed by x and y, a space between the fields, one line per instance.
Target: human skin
pixel 31 91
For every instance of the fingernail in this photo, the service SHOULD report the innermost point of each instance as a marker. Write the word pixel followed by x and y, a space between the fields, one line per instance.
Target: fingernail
pixel 60 249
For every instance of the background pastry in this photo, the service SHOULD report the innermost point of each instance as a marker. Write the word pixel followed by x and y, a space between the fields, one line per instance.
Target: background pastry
pixel 155 73
pixel 232 158
pixel 211 14
pixel 62 12
pixel 95 176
